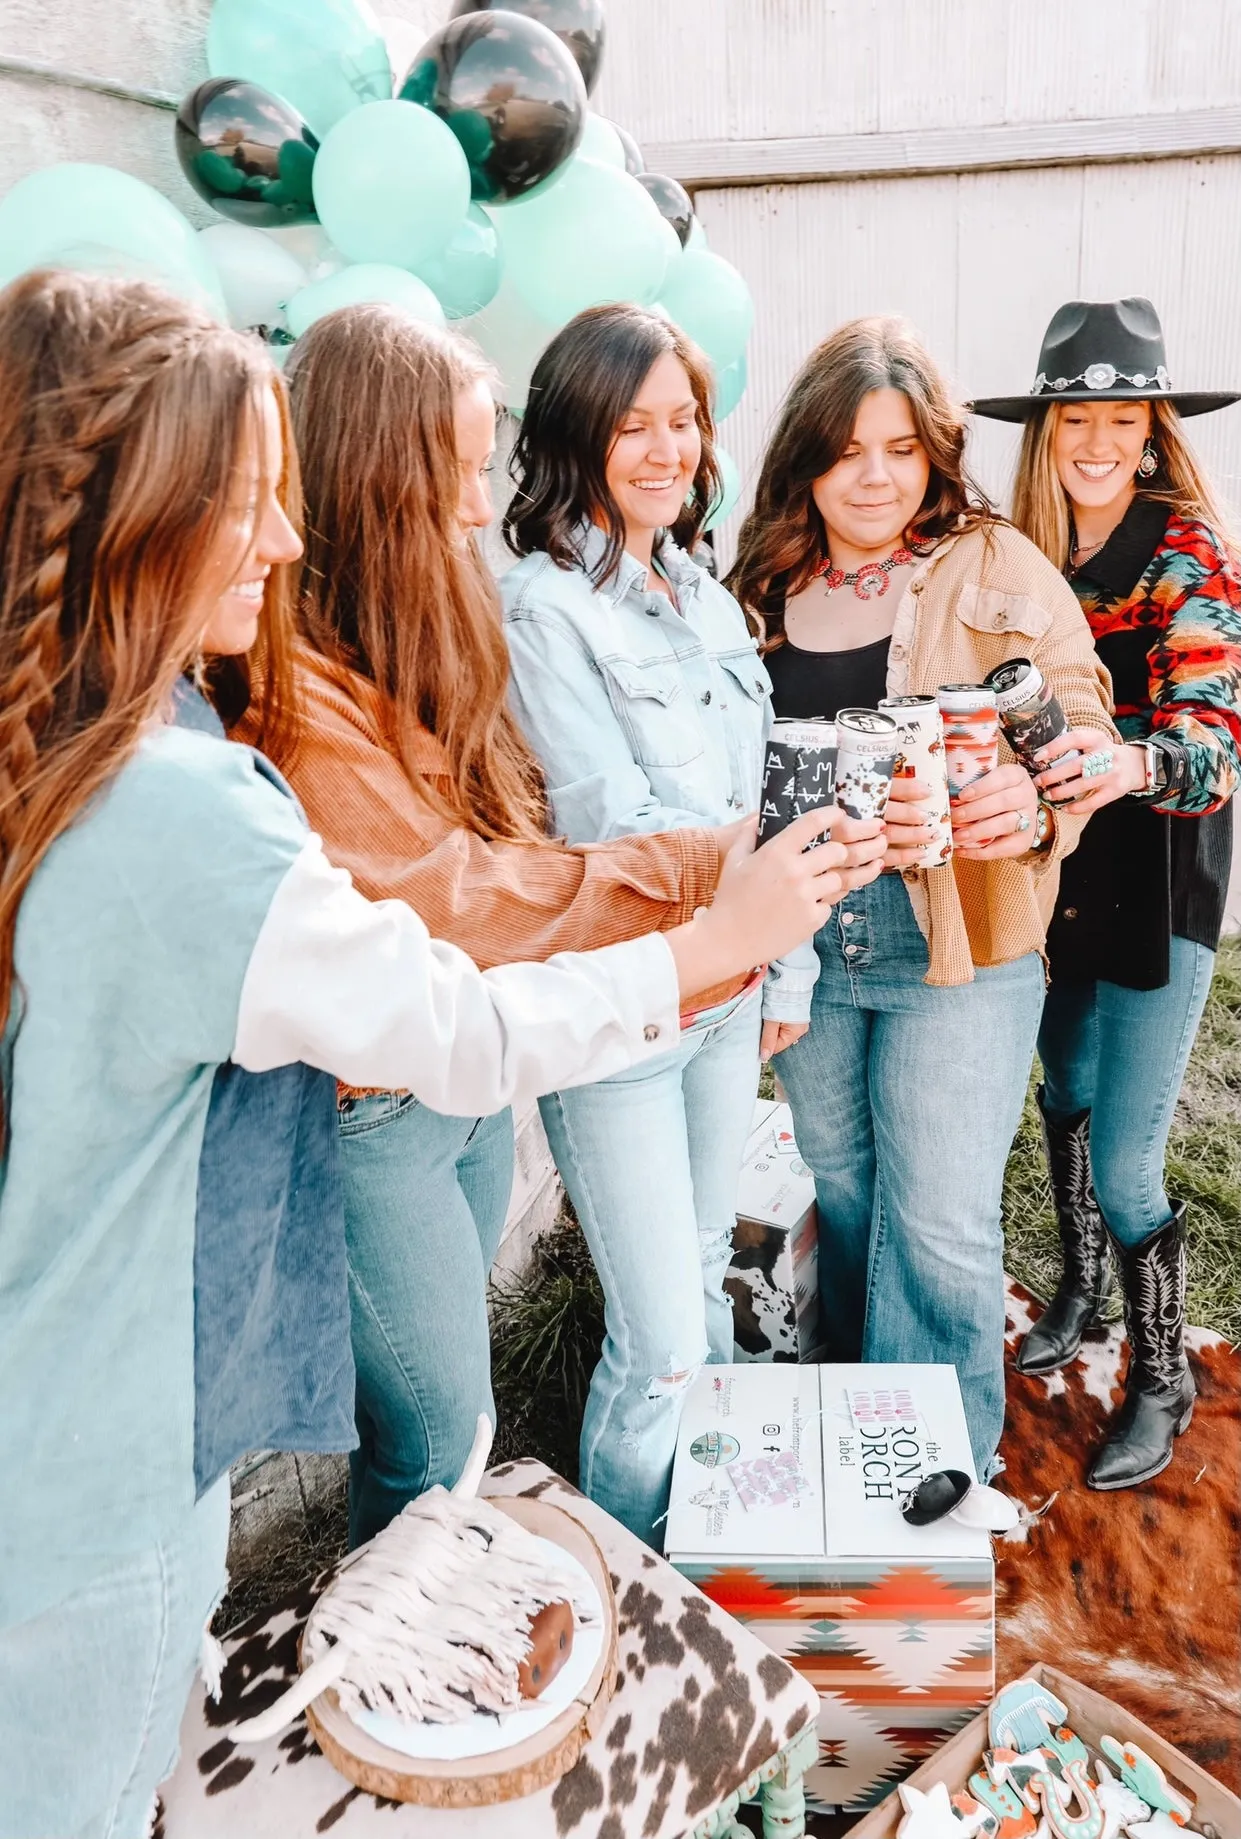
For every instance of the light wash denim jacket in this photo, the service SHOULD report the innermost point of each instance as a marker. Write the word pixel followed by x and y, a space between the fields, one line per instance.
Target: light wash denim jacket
pixel 644 715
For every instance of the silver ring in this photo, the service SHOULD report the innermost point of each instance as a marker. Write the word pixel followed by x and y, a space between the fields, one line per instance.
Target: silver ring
pixel 1094 765
pixel 1023 822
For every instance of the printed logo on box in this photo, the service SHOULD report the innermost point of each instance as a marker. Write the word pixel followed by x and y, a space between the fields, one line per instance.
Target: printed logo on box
pixel 714 1448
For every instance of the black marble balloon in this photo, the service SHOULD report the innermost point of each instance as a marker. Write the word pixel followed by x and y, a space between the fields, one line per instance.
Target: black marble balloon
pixel 672 200
pixel 247 152
pixel 511 94
pixel 577 23
pixel 634 163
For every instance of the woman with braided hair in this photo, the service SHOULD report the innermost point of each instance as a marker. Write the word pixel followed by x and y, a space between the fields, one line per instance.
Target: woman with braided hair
pixel 165 915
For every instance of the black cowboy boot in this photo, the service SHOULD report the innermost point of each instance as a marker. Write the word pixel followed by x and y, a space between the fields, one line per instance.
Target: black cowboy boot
pixel 1057 1335
pixel 1159 1389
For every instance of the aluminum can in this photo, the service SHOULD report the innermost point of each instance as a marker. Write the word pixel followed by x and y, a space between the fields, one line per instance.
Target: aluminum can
pixel 867 744
pixel 971 733
pixel 1029 709
pixel 799 775
pixel 920 730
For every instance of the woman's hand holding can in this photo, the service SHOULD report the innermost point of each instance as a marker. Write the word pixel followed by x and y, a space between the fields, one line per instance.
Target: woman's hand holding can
pixel 1086 768
pixel 994 817
pixel 908 822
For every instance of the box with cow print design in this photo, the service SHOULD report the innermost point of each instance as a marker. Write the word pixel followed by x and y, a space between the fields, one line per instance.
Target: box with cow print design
pixel 786 1512
pixel 773 1278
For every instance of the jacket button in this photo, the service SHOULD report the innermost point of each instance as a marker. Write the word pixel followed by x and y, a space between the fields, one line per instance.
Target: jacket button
pixel 706 695
pixel 898 651
pixel 1070 913
pixel 1001 619
pixel 650 1032
pixel 916 587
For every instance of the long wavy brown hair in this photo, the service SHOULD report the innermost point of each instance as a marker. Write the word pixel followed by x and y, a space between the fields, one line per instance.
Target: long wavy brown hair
pixel 392 586
pixel 581 391
pixel 783 541
pixel 122 417
pixel 1041 508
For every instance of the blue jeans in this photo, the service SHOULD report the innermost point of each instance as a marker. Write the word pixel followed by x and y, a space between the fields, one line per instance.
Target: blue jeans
pixel 1121 1054
pixel 905 1102
pixel 651 1159
pixel 425 1202
pixel 92 1691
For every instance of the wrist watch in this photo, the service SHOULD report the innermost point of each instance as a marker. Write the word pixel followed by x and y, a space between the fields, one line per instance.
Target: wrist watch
pixel 1160 769
pixel 1044 830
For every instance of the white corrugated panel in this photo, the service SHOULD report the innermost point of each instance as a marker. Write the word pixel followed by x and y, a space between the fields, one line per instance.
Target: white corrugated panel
pixel 979 263
pixel 734 69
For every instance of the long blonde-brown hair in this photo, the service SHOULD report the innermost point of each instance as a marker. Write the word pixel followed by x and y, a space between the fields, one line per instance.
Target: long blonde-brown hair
pixel 1041 508
pixel 392 587
pixel 122 417
pixel 783 541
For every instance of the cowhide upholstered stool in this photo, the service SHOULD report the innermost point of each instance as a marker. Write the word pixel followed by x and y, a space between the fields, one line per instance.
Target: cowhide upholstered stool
pixel 704 1718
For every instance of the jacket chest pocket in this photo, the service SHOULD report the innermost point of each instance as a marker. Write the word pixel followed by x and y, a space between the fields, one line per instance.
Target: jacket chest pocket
pixel 655 710
pixel 993 614
pixel 747 685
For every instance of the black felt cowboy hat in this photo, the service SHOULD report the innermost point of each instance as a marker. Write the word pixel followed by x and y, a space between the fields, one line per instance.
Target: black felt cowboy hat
pixel 1104 351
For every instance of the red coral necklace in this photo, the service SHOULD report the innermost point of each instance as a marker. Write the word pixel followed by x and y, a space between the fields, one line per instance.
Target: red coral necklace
pixel 869 581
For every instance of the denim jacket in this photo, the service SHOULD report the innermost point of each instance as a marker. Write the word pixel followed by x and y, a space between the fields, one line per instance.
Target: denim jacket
pixel 644 715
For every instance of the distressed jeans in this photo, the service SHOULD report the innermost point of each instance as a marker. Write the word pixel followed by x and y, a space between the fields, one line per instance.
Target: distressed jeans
pixel 906 1099
pixel 651 1160
pixel 425 1202
pixel 1122 1054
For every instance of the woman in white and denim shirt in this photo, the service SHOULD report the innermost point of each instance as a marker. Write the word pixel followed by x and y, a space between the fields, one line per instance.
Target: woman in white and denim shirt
pixel 643 695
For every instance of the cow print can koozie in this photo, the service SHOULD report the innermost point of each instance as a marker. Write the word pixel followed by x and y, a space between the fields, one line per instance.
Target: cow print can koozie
pixel 920 729
pixel 971 733
pixel 1029 709
pixel 799 774
pixel 867 744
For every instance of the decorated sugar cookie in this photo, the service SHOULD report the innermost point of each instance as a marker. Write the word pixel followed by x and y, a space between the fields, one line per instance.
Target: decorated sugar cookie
pixel 1023 1715
pixel 1139 1772
pixel 933 1816
pixel 1058 1796
pixel 1121 1806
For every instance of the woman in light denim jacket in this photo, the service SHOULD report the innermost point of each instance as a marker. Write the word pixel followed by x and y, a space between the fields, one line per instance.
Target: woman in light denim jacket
pixel 647 704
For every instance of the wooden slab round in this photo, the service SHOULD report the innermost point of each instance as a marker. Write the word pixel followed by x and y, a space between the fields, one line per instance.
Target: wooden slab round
pixel 503 1775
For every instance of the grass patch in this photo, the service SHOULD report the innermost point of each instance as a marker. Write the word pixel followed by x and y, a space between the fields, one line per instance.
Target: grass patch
pixel 1204 1169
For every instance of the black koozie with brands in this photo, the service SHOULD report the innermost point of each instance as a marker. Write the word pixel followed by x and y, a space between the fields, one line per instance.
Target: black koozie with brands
pixel 1029 709
pixel 799 774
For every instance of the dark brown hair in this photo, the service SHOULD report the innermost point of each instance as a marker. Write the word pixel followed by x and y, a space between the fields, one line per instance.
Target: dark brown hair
pixel 122 417
pixel 582 388
pixel 783 540
pixel 392 586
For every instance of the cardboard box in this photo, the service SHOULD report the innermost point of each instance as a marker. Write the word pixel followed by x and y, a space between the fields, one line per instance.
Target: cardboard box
pixel 774 1275
pixel 786 1512
pixel 1091 1716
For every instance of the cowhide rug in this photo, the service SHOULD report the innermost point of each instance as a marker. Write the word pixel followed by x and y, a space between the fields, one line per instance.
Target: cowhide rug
pixel 1136 1593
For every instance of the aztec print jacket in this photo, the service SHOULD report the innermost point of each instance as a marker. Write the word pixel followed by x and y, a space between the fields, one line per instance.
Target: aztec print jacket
pixel 1163 602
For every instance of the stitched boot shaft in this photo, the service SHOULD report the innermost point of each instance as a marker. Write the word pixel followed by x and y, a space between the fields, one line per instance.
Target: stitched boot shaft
pixel 1056 1337
pixel 1159 1388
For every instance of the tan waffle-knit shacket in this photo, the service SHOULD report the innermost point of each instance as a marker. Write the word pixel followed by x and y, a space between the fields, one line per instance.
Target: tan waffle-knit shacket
pixel 981 597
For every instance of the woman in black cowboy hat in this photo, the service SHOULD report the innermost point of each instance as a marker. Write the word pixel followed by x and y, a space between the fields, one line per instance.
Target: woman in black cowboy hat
pixel 1111 491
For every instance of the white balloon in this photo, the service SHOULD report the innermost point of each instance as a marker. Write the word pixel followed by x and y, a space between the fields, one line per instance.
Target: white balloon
pixel 256 274
pixel 512 339
pixel 362 283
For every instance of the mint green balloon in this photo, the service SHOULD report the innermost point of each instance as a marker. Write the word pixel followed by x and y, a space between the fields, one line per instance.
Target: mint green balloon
pixel 708 299
pixel 79 215
pixel 730 490
pixel 593 236
pixel 323 56
pixel 363 283
pixel 730 384
pixel 601 142
pixel 391 184
pixel 466 273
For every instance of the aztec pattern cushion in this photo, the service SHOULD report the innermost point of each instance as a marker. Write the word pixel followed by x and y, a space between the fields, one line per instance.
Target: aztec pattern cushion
pixel 700 1705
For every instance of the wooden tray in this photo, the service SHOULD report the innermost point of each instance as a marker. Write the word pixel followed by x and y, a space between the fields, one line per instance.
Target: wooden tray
pixel 1090 1715
pixel 503 1775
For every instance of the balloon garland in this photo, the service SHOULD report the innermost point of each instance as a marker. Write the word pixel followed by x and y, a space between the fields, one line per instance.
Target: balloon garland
pixel 464 179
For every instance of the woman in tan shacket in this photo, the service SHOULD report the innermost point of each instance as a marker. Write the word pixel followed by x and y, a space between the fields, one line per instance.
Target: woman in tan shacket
pixel 871 568
pixel 400 635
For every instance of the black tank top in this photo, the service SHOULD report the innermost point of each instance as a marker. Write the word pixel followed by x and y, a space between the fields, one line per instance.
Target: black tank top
pixel 816 685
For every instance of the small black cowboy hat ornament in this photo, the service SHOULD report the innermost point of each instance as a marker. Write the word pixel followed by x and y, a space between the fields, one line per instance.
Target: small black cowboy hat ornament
pixel 1103 351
